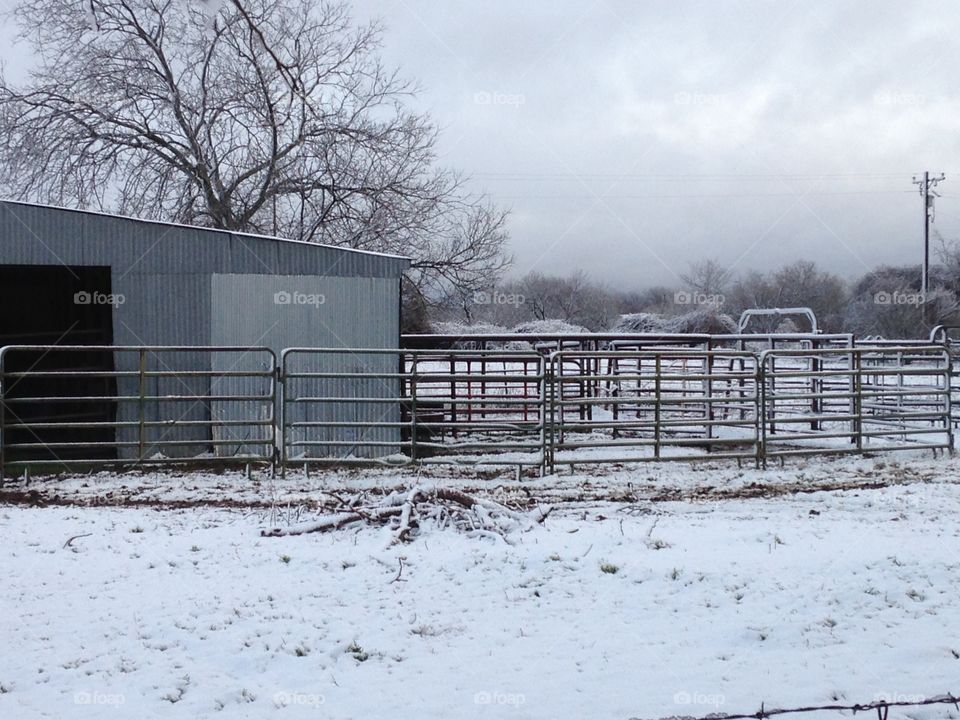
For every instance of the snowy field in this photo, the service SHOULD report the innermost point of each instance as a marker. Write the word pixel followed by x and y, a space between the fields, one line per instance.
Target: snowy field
pixel 653 592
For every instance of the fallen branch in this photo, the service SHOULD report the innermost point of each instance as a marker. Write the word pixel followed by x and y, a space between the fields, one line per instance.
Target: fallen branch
pixel 404 513
pixel 331 522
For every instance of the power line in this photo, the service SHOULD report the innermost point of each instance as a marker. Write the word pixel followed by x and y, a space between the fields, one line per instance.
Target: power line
pixel 698 195
pixel 685 177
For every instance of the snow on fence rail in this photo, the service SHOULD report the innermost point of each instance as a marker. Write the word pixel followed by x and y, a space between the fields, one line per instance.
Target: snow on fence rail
pixel 526 408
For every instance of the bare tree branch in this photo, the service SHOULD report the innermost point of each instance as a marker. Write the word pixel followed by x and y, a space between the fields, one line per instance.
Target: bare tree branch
pixel 273 116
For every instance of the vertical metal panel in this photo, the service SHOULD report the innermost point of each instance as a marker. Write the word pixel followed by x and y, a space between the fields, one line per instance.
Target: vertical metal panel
pixel 354 313
pixel 165 310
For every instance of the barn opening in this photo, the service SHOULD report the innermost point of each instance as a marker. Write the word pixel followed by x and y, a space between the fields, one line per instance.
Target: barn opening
pixel 65 306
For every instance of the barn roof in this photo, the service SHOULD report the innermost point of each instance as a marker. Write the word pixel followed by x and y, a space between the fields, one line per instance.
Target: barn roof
pixel 68 236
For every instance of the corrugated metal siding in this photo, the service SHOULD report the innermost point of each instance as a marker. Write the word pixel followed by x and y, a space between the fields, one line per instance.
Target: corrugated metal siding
pixel 39 235
pixel 165 310
pixel 34 236
pixel 356 313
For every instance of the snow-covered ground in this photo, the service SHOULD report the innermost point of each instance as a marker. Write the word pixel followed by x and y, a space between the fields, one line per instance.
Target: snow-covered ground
pixel 668 590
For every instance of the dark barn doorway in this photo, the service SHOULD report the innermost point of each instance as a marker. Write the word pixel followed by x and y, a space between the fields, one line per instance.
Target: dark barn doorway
pixel 56 305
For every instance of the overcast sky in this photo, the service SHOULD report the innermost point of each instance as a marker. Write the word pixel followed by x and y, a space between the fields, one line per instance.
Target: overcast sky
pixel 630 137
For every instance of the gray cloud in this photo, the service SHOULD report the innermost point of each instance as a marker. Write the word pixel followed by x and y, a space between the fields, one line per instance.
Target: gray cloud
pixel 632 137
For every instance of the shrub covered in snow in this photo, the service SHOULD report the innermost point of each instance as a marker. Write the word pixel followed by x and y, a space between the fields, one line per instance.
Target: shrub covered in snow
pixel 702 320
pixel 545 328
pixel 457 328
pixel 639 323
pixel 548 327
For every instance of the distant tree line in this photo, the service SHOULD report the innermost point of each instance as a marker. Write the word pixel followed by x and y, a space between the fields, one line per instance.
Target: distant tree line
pixel 885 302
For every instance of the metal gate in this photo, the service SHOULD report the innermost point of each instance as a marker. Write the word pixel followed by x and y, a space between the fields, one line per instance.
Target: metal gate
pixel 130 405
pixel 856 399
pixel 630 406
pixel 402 406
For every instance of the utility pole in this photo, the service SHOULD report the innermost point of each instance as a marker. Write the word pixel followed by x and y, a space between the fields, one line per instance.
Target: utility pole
pixel 927 192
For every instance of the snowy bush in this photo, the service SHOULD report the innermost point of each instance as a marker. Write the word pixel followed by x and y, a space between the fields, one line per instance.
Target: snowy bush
pixel 549 327
pixel 702 320
pixel 479 328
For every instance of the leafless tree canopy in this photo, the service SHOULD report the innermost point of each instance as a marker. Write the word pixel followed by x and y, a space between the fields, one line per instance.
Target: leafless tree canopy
pixel 269 116
pixel 885 301
pixel 707 276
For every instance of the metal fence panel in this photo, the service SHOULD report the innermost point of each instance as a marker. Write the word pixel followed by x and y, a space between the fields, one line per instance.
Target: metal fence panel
pixel 402 406
pixel 66 406
pixel 852 400
pixel 642 405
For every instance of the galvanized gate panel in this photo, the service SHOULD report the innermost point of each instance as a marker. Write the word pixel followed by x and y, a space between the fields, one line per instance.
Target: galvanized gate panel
pixel 885 397
pixel 156 405
pixel 642 405
pixel 355 405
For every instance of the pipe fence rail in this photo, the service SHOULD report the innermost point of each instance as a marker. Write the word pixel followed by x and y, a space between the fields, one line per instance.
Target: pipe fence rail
pixel 863 398
pixel 537 407
pixel 398 407
pixel 74 405
pixel 549 342
pixel 629 406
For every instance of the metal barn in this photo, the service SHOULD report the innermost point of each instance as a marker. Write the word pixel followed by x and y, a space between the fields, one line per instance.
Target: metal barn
pixel 77 279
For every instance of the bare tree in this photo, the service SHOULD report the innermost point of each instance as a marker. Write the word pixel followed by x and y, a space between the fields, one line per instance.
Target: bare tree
pixel 948 269
pixel 707 276
pixel 803 284
pixel 659 299
pixel 888 302
pixel 266 116
pixel 575 299
pixel 755 290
